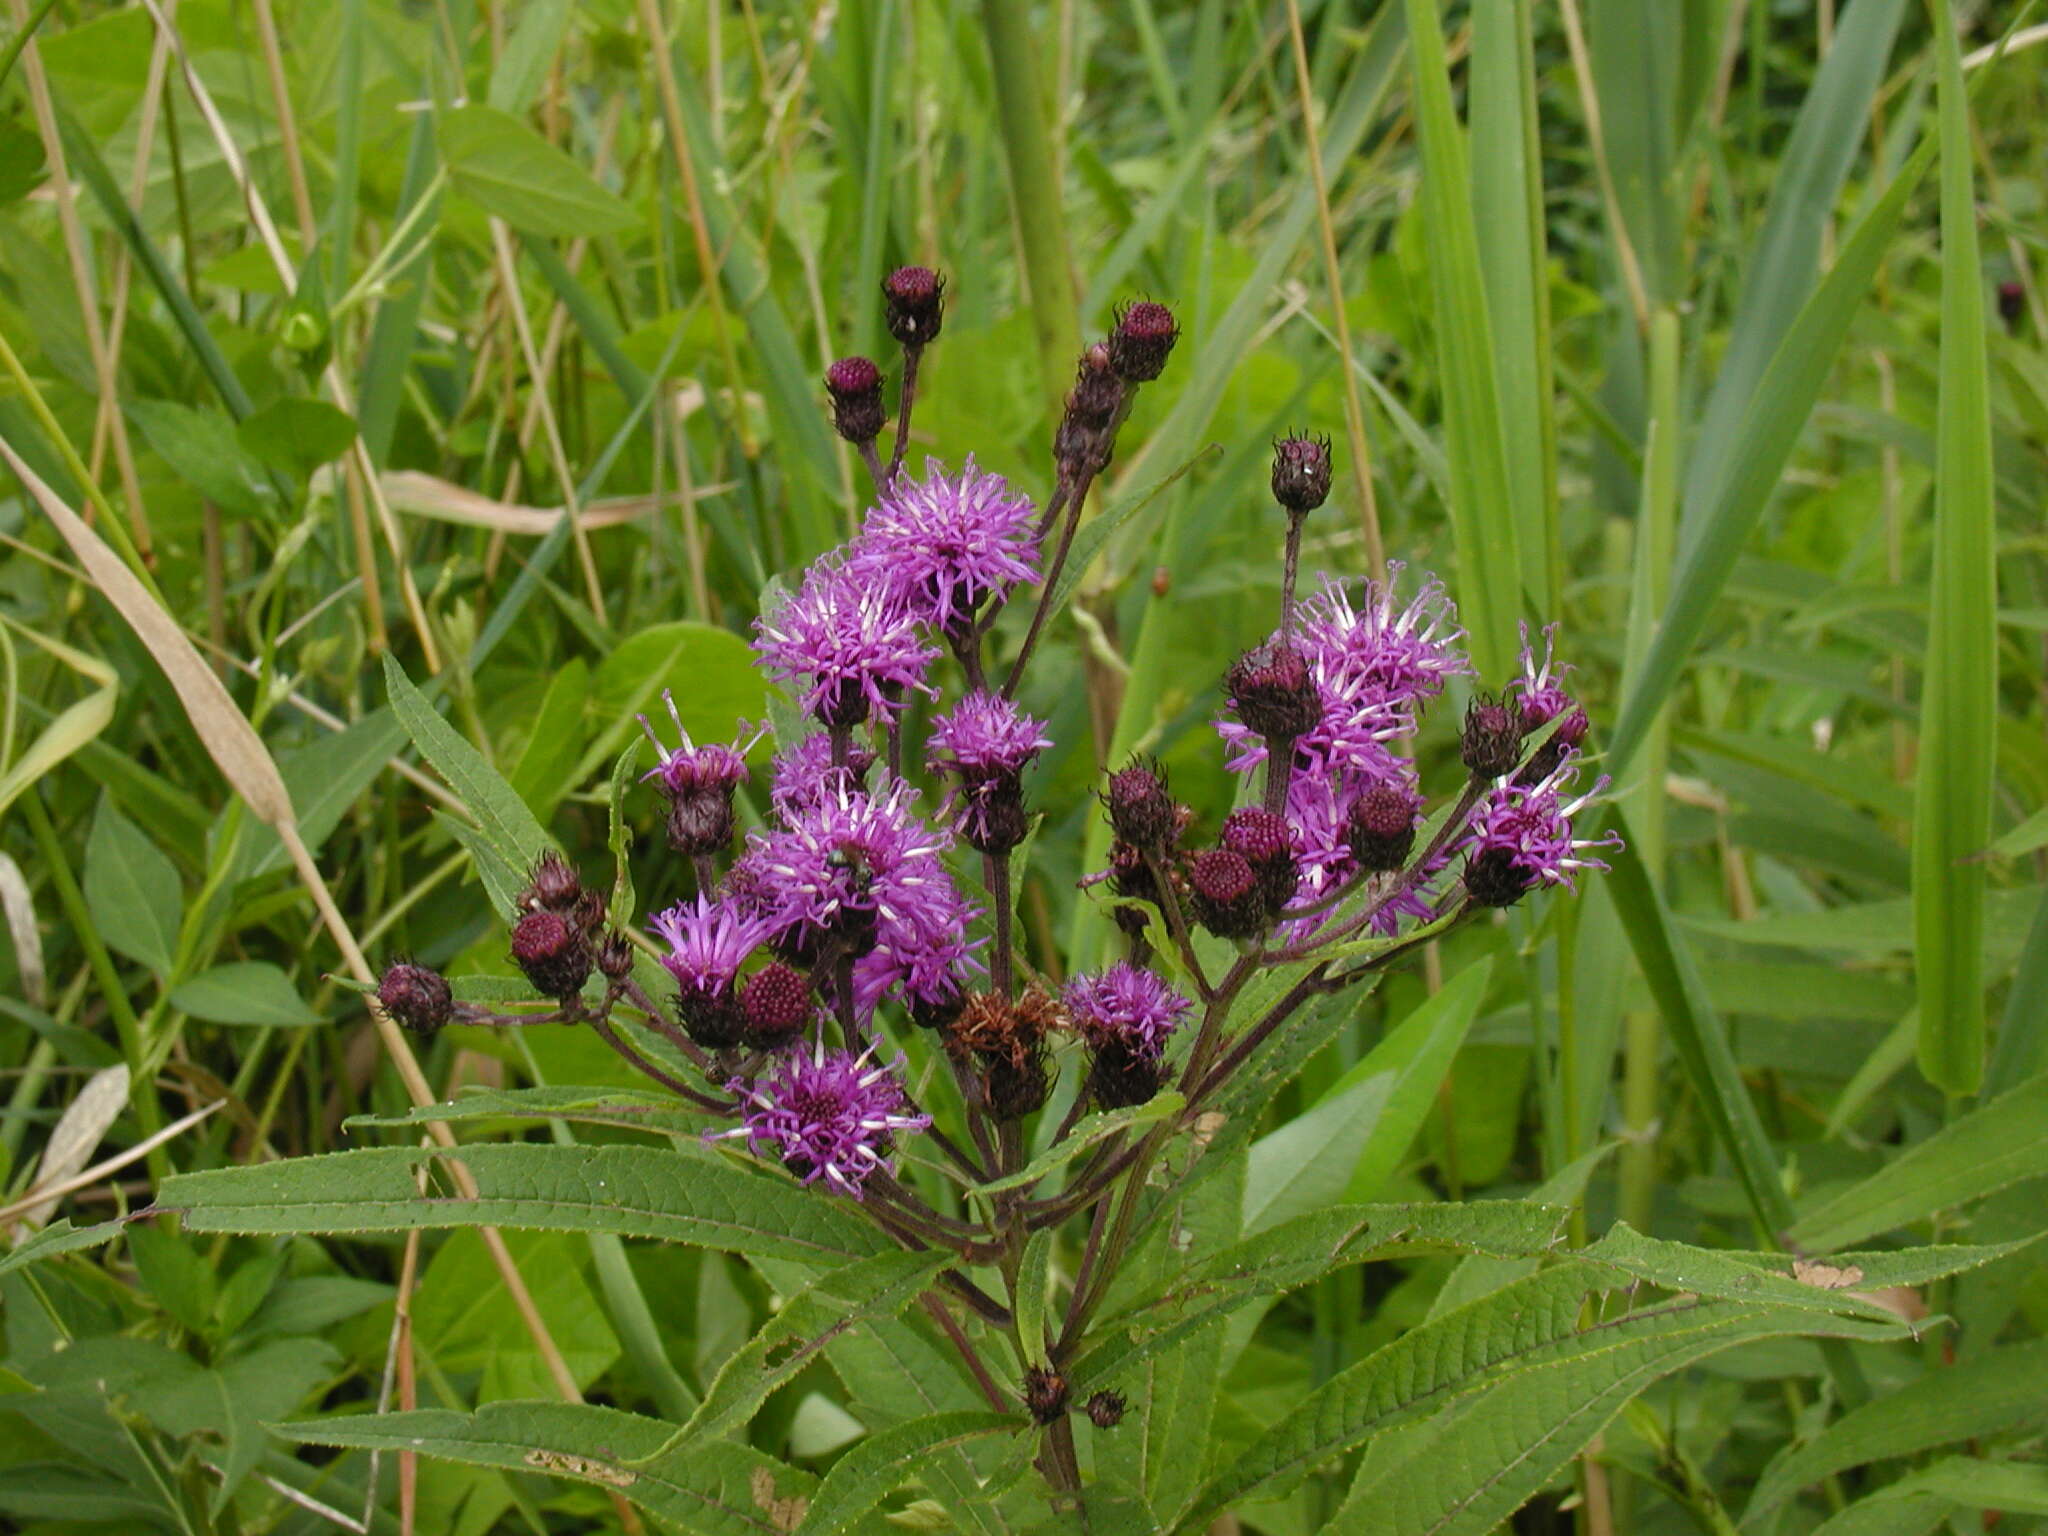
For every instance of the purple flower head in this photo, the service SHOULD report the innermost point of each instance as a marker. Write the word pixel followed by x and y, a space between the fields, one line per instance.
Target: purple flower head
pixel 689 769
pixel 1543 697
pixel 852 641
pixel 708 941
pixel 947 542
pixel 1521 836
pixel 985 735
pixel 1376 652
pixel 1127 1006
pixel 827 1115
pixel 854 866
pixel 802 775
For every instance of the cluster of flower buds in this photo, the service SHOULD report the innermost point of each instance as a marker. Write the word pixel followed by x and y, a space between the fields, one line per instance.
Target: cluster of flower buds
pixel 1106 383
pixel 556 940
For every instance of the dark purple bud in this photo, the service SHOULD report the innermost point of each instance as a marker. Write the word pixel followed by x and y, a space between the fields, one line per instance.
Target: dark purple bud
pixel 1273 693
pixel 554 885
pixel 1092 402
pixel 1492 741
pixel 553 955
pixel 1569 736
pixel 1381 827
pixel 915 300
pixel 416 997
pixel 1140 808
pixel 1130 876
pixel 1266 842
pixel 615 956
pixel 1226 894
pixel 855 385
pixel 1301 472
pixel 2012 302
pixel 1143 338
pixel 1045 1393
pixel 775 1004
pixel 1106 1410
pixel 586 913
pixel 1494 879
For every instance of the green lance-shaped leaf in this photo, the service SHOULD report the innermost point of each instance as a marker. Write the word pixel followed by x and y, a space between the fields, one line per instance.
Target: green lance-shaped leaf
pixel 59 1237
pixel 685 1195
pixel 1984 1395
pixel 1087 1131
pixel 1840 1283
pixel 1959 696
pixel 832 1305
pixel 1996 1144
pixel 507 825
pixel 1300 1251
pixel 720 1488
pixel 868 1473
pixel 1498 1441
pixel 638 1109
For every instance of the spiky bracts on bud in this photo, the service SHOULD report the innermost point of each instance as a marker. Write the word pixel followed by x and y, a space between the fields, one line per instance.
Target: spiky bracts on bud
pixel 914 305
pixel 1003 1043
pixel 1266 843
pixel 1381 826
pixel 553 955
pixel 855 385
pixel 614 956
pixel 827 1116
pixel 1491 743
pixel 1225 889
pixel 553 885
pixel 1086 436
pixel 416 997
pixel 1142 341
pixel 1274 692
pixel 1106 1409
pixel 1045 1394
pixel 1141 809
pixel 1301 472
pixel 775 1004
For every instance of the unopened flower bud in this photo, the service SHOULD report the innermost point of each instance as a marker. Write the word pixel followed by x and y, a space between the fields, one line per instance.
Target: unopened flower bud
pixel 1045 1393
pixel 1097 391
pixel 1301 472
pixel 1226 894
pixel 855 385
pixel 1106 1410
pixel 1492 742
pixel 775 1003
pixel 1381 827
pixel 1273 693
pixel 1140 808
pixel 1143 338
pixel 2012 302
pixel 1265 841
pixel 554 885
pixel 416 997
pixel 553 955
pixel 915 301
pixel 615 956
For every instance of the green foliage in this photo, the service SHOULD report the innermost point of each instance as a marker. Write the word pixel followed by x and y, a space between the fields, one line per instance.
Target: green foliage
pixel 1631 1209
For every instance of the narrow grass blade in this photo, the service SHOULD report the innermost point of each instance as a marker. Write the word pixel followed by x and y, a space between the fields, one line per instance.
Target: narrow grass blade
pixel 1959 698
pixel 1483 521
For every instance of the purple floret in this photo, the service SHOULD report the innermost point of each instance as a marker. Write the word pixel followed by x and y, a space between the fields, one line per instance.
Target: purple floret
pixel 985 735
pixel 1529 826
pixel 1541 686
pixel 708 940
pixel 850 639
pixel 1126 1006
pixel 690 769
pixel 948 541
pixel 826 1115
pixel 802 775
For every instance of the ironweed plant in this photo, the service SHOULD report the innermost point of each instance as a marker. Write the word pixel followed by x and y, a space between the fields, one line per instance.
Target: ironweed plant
pixel 851 918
